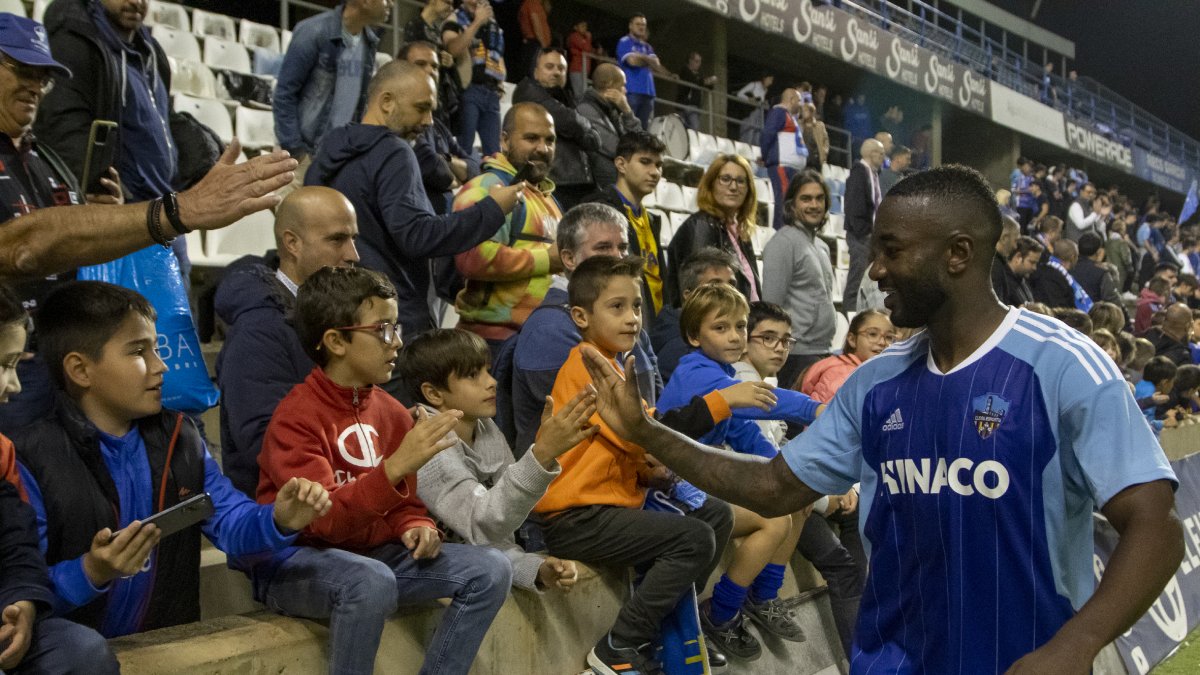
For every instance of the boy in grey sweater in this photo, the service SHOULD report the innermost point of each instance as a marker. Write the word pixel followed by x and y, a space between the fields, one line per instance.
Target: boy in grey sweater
pixel 475 488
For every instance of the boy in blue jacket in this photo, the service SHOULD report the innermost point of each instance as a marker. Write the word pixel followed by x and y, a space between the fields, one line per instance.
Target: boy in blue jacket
pixel 110 456
pixel 713 322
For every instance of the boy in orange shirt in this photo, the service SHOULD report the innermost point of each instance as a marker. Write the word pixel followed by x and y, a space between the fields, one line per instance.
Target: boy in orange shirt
pixel 593 511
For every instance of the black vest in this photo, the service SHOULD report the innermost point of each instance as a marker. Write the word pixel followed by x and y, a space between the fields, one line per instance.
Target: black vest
pixel 63 454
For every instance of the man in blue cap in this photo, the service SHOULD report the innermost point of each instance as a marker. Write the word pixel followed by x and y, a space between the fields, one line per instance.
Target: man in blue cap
pixel 32 177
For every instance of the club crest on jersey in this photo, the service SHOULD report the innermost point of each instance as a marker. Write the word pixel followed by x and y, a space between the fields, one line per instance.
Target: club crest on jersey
pixel 990 410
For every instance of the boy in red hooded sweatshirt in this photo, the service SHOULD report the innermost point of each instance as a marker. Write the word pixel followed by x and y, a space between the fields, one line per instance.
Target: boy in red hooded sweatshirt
pixel 377 548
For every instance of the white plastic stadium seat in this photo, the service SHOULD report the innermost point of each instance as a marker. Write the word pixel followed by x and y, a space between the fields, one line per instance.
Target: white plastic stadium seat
pixel 13 7
pixel 169 14
pixel 382 59
pixel 255 128
pixel 259 35
pixel 196 253
pixel 745 150
pixel 689 199
pixel 254 234
pixel 726 146
pixel 285 39
pixel 651 200
pixel 763 190
pixel 183 46
pixel 670 196
pixel 214 25
pixel 39 10
pixel 210 112
pixel 228 55
pixel 192 78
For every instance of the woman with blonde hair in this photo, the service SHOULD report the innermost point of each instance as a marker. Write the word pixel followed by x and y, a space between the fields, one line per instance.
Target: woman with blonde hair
pixel 727 217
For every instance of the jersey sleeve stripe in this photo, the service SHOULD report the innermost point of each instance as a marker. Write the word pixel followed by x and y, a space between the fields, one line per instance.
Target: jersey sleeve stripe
pixel 1091 348
pixel 1041 337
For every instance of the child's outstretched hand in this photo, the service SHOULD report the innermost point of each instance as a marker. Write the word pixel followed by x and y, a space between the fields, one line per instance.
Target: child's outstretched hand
pixel 565 429
pixel 556 573
pixel 428 437
pixel 750 395
pixel 299 502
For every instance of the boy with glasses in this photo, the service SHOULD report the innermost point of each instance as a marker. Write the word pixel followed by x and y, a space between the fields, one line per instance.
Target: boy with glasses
pixel 378 548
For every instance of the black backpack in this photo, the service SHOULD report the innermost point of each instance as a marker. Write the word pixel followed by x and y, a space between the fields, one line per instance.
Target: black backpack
pixel 199 148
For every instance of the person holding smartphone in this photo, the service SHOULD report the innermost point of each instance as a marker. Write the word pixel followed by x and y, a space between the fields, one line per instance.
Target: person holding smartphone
pixel 32 177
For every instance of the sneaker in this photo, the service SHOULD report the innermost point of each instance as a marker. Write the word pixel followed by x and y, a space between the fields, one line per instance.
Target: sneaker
pixel 715 658
pixel 775 617
pixel 732 637
pixel 606 659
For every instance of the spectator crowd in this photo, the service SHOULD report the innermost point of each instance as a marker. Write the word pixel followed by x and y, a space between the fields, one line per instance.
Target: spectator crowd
pixel 371 458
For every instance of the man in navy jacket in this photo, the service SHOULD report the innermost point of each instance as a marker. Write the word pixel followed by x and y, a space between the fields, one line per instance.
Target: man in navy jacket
pixel 373 164
pixel 262 358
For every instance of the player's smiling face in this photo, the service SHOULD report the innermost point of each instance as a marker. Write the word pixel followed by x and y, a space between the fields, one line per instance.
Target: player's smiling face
pixel 909 259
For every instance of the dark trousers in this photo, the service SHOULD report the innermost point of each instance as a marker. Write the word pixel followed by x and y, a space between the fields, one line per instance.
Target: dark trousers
pixel 860 256
pixel 838 556
pixel 62 647
pixel 680 551
pixel 642 106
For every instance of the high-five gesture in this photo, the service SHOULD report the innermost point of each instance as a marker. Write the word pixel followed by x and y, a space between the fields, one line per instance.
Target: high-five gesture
pixel 618 400
pixel 565 429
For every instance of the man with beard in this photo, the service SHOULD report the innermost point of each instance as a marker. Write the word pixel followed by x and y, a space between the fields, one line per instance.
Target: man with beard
pixel 571 173
pixel 798 273
pixel 508 275
pixel 983 445
pixel 373 164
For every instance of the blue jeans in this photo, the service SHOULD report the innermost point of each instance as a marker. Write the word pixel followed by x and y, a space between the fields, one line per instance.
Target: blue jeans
pixel 642 106
pixel 63 647
pixel 357 593
pixel 480 112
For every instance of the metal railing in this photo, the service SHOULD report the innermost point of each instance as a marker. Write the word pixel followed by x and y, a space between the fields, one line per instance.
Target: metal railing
pixel 718 124
pixel 1007 60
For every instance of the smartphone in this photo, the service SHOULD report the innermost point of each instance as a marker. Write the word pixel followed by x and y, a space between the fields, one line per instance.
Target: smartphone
pixel 103 143
pixel 181 516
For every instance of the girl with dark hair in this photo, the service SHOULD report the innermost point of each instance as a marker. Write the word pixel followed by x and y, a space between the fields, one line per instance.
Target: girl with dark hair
pixel 870 333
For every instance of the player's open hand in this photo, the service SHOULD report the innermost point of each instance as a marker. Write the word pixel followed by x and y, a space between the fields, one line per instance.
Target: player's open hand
pixel 299 502
pixel 618 399
pixel 1058 659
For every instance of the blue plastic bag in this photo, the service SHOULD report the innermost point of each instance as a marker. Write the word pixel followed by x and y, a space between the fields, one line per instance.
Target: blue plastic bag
pixel 154 272
pixel 681 642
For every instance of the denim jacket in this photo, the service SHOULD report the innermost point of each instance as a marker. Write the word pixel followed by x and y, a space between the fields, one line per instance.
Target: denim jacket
pixel 304 91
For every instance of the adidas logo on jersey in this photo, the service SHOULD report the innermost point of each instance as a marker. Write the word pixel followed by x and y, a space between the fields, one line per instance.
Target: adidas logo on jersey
pixel 895 422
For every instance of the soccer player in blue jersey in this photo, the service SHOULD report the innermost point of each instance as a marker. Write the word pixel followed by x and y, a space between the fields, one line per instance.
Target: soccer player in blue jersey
pixel 983 444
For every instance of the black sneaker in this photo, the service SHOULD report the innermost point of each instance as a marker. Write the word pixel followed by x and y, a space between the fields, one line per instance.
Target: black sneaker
pixel 775 617
pixel 732 637
pixel 606 659
pixel 715 658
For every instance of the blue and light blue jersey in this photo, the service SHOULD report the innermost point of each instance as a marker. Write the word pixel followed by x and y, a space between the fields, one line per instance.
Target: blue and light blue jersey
pixel 978 487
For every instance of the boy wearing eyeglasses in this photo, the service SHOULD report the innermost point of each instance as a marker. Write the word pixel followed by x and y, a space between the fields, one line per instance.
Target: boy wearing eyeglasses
pixel 714 323
pixel 377 548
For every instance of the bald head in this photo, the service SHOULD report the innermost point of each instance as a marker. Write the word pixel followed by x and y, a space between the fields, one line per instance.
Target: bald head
pixel 886 140
pixel 1177 320
pixel 315 227
pixel 872 152
pixel 1067 251
pixel 791 101
pixel 401 96
pixel 607 76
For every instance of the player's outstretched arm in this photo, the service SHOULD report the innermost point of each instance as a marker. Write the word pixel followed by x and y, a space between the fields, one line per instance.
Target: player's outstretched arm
pixel 768 488
pixel 1144 516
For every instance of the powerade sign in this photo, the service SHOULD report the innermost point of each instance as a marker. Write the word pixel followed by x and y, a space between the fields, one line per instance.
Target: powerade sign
pixel 1091 143
pixel 1177 610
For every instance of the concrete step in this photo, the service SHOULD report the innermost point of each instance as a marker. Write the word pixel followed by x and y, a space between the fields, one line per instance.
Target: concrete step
pixel 539 635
